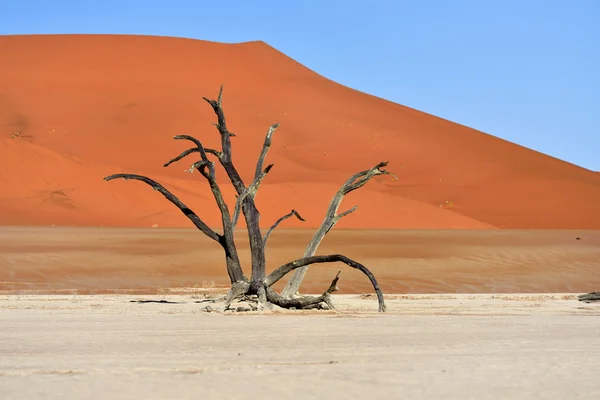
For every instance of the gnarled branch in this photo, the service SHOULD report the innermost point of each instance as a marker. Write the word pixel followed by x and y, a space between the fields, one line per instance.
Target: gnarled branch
pixel 287 268
pixel 190 151
pixel 589 297
pixel 265 150
pixel 173 199
pixel 250 193
pixel 201 150
pixel 356 181
pixel 280 220
pixel 207 169
pixel 221 125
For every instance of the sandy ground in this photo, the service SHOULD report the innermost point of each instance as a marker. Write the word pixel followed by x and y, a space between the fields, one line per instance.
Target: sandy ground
pixel 426 346
pixel 89 260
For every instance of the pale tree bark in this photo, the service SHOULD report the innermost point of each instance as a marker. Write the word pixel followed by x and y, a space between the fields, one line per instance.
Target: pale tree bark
pixel 356 181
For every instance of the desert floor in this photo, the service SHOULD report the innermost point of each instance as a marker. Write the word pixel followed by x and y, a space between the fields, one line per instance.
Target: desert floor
pixel 71 328
pixel 426 346
pixel 101 260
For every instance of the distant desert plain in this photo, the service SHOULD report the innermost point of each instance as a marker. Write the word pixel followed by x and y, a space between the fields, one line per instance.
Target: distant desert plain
pixel 480 245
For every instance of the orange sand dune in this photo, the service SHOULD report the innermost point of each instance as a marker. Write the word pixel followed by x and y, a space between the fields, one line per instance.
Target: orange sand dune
pixel 74 108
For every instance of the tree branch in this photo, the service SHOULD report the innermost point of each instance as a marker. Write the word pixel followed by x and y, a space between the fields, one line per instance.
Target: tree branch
pixel 356 181
pixel 221 124
pixel 287 268
pixel 280 220
pixel 589 297
pixel 259 175
pixel 207 169
pixel 250 193
pixel 190 151
pixel 173 199
pixel 265 150
pixel 199 148
pixel 305 302
pixel 248 207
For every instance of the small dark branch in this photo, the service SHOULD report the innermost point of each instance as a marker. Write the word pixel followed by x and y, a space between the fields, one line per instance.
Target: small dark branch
pixel 182 155
pixel 589 297
pixel 287 268
pixel 207 169
pixel 190 151
pixel 217 106
pixel 225 154
pixel 201 150
pixel 250 193
pixel 360 179
pixel 280 220
pixel 173 199
pixel 265 150
pixel 199 145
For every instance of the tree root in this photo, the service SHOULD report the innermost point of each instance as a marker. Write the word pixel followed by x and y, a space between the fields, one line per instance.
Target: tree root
pixel 305 302
pixel 238 289
pixel 589 297
pixel 240 299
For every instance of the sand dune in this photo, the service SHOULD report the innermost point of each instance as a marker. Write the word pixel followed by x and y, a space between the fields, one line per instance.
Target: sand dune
pixel 74 108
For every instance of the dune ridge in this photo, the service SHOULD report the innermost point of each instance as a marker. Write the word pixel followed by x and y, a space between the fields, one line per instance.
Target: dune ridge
pixel 75 108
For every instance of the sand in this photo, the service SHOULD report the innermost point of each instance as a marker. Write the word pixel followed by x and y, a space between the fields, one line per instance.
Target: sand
pixel 97 260
pixel 76 108
pixel 452 347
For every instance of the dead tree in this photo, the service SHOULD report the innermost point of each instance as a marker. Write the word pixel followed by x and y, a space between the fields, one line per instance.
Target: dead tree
pixel 589 297
pixel 259 286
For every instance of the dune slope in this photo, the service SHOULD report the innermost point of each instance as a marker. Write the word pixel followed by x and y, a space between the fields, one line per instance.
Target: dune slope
pixel 75 108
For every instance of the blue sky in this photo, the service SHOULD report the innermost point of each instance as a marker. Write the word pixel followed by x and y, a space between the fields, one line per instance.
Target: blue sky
pixel 525 70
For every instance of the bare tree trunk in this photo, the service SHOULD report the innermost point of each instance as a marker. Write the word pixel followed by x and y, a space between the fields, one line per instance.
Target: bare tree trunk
pixel 331 218
pixel 249 209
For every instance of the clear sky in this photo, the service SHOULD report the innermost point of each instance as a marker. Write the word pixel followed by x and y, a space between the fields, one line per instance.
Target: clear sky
pixel 525 70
